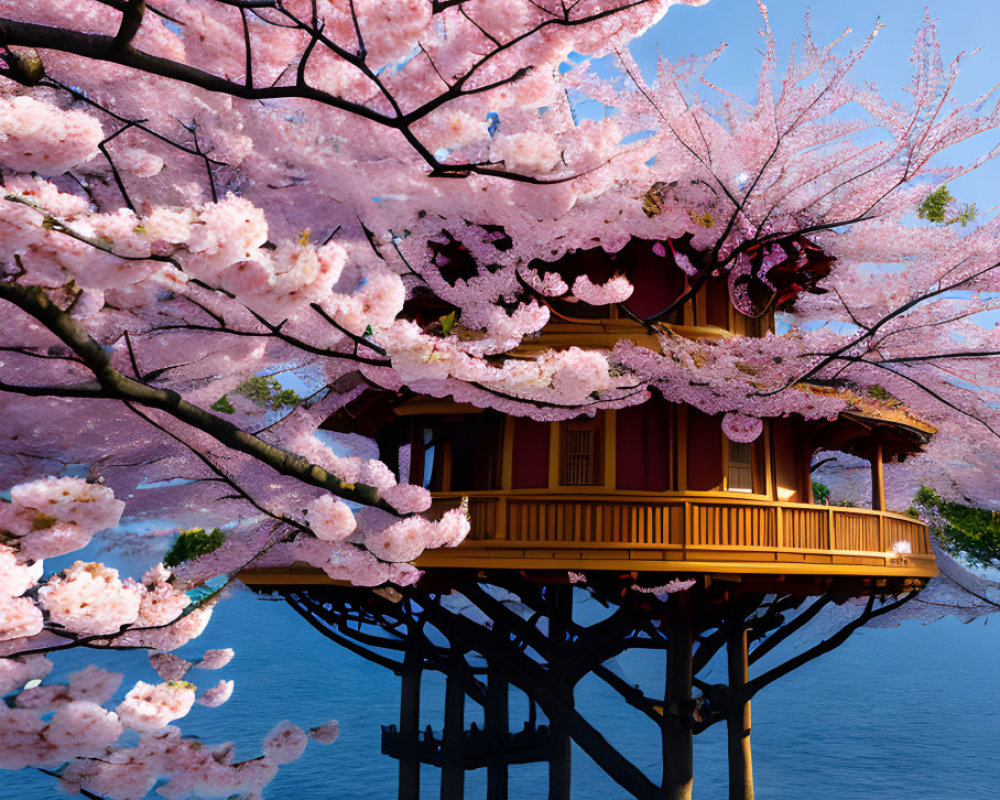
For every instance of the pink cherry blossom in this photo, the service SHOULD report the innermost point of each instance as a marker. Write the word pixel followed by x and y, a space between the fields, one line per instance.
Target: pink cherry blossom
pixel 217 695
pixel 326 733
pixel 741 428
pixel 168 666
pixel 84 728
pixel 407 498
pixel 16 577
pixel 94 684
pixel 615 290
pixel 38 137
pixel 285 742
pixel 16 672
pixel 148 708
pixel 330 519
pixel 216 658
pixel 89 598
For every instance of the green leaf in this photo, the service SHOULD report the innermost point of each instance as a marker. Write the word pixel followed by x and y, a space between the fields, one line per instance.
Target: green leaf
pixel 935 205
pixel 192 543
pixel 877 392
pixel 447 323
pixel 222 405
pixel 965 531
pixel 821 492
pixel 266 392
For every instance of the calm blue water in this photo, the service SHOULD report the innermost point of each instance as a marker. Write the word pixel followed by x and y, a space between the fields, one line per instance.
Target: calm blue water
pixel 911 713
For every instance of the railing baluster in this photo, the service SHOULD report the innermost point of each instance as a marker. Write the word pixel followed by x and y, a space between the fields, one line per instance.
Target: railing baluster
pixel 734 524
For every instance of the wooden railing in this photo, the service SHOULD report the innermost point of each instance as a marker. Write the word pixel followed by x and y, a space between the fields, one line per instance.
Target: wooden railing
pixel 687 528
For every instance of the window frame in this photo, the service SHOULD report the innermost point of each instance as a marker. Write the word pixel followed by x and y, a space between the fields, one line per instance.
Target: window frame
pixel 596 427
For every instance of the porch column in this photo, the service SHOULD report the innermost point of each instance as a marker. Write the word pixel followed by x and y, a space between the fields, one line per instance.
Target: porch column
pixel 878 480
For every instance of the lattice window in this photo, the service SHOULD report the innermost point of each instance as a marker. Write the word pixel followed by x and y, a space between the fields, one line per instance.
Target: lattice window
pixel 581 453
pixel 579 457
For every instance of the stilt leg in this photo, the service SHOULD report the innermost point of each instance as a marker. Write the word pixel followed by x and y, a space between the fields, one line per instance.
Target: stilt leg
pixel 560 619
pixel 678 742
pixel 497 728
pixel 409 727
pixel 738 721
pixel 453 768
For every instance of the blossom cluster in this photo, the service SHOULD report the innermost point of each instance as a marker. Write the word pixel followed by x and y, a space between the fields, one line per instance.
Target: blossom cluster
pixel 70 725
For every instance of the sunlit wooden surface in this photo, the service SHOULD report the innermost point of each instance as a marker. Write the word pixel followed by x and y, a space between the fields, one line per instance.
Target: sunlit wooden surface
pixel 683 533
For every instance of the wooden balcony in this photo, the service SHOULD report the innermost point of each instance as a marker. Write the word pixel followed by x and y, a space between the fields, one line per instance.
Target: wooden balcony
pixel 682 533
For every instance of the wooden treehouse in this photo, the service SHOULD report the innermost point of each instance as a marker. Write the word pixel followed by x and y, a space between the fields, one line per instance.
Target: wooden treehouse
pixel 656 487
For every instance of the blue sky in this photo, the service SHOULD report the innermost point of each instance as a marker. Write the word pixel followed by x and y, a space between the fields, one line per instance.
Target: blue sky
pixel 962 25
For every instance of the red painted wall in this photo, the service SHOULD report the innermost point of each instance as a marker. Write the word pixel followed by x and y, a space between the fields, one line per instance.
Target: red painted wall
pixel 704 451
pixel 531 455
pixel 644 452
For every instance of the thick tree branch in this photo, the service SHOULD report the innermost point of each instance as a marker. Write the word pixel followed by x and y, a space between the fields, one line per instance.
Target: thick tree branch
pixel 113 384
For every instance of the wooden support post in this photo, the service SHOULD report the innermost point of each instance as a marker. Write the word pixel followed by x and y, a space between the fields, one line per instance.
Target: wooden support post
pixel 409 727
pixel 497 729
pixel 453 765
pixel 738 720
pixel 560 618
pixel 878 480
pixel 677 738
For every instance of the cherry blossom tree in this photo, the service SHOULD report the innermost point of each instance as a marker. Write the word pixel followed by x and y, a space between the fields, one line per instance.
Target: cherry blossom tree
pixel 66 726
pixel 225 220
